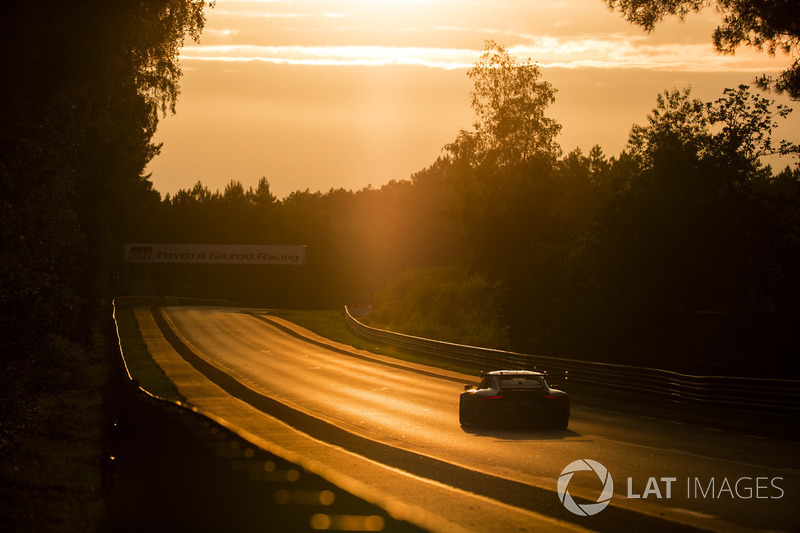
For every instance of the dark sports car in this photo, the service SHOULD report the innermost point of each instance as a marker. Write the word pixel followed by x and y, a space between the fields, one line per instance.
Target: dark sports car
pixel 514 397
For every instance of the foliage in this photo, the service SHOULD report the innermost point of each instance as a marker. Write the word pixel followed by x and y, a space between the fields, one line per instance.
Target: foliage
pixel 737 128
pixel 505 163
pixel 702 226
pixel 763 25
pixel 627 259
pixel 84 84
pixel 153 37
pixel 445 303
pixel 509 102
pixel 585 183
pixel 506 184
pixel 356 241
pixel 502 169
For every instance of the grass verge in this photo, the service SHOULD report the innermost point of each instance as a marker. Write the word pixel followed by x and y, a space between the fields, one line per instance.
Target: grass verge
pixel 51 440
pixel 332 325
pixel 140 363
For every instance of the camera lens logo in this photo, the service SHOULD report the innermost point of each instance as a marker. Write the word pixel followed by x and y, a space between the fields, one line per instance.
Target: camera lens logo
pixel 587 509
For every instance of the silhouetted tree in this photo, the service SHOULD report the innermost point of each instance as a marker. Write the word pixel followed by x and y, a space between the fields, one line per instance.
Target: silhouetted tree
pixel 765 25
pixel 83 87
pixel 505 185
pixel 693 230
pixel 585 185
pixel 262 197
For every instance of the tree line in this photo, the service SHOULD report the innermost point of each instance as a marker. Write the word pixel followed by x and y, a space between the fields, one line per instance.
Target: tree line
pixel 680 252
pixel 85 85
pixel 356 240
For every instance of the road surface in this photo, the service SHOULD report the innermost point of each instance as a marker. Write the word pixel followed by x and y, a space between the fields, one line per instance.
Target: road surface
pixel 667 474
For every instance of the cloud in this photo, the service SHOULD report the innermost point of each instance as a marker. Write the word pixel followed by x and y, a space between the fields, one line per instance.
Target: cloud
pixel 224 2
pixel 432 33
pixel 598 52
pixel 224 33
pixel 244 14
pixel 334 55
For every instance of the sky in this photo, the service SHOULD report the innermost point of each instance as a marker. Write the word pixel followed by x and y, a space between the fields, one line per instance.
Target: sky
pixel 324 94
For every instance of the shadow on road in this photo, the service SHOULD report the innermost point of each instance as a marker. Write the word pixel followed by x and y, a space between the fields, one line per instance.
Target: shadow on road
pixel 521 433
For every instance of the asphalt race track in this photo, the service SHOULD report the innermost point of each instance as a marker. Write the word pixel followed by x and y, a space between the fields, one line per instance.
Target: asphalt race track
pixel 380 422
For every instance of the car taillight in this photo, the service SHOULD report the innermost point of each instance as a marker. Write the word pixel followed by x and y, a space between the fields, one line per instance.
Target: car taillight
pixel 553 397
pixel 491 397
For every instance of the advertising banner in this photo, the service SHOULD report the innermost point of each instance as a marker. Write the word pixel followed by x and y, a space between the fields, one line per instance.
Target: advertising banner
pixel 226 254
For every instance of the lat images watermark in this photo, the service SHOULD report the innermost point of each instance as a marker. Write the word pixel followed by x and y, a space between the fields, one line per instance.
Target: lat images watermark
pixel 743 488
pixel 587 509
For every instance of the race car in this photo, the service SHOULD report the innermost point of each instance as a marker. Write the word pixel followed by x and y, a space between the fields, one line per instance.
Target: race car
pixel 518 397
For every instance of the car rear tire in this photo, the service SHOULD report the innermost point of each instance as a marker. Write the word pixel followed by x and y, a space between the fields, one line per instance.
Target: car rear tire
pixel 464 417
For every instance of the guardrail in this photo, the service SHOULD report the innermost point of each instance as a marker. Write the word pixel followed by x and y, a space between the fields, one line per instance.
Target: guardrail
pixel 752 394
